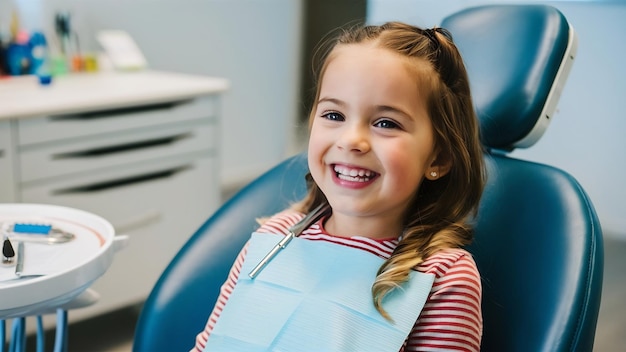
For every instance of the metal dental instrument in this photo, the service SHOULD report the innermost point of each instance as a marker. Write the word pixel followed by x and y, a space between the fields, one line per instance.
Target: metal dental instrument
pixel 294 231
pixel 19 267
pixel 56 236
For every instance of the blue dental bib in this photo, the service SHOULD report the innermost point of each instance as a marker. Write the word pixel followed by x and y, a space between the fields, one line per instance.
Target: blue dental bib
pixel 315 296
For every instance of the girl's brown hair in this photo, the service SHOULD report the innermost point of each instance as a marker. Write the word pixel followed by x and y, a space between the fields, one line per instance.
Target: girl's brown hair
pixel 440 213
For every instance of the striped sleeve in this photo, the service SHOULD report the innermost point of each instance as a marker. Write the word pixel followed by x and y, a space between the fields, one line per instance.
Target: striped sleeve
pixel 278 224
pixel 451 319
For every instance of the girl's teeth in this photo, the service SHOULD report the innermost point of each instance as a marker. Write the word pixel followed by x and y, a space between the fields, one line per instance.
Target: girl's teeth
pixel 345 173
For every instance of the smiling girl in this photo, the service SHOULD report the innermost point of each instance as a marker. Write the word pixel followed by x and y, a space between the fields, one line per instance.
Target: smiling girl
pixel 395 159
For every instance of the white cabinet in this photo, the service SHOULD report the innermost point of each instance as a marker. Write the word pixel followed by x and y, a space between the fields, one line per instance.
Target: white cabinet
pixel 147 162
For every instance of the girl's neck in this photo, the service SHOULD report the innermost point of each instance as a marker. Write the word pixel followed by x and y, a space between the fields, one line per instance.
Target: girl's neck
pixel 371 227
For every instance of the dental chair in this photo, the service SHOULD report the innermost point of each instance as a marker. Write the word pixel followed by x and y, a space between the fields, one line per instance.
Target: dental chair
pixel 538 242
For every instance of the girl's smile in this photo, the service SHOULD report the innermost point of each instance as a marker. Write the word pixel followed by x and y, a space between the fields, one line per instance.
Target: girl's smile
pixel 352 176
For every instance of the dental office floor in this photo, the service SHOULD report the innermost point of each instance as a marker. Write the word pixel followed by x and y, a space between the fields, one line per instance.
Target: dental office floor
pixel 116 329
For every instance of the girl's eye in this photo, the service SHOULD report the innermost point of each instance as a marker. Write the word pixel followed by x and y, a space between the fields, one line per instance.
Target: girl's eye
pixel 386 124
pixel 333 116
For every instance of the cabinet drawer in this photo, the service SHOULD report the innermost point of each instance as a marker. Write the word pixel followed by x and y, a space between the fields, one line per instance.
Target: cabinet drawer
pixel 101 152
pixel 158 214
pixel 64 127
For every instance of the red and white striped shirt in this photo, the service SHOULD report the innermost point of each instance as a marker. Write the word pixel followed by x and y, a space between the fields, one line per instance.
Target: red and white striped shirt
pixel 451 319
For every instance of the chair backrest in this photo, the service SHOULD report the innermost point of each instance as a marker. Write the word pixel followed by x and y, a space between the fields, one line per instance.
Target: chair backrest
pixel 518 58
pixel 538 243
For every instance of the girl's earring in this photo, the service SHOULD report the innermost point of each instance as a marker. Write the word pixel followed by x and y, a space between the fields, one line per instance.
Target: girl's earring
pixel 433 174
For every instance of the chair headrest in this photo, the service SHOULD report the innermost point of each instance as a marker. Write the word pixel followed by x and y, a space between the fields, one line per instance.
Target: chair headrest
pixel 517 57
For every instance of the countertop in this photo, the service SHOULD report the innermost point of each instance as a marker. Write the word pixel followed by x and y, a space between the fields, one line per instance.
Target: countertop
pixel 23 96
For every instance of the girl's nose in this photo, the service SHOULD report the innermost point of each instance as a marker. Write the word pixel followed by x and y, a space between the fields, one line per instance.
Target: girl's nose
pixel 354 138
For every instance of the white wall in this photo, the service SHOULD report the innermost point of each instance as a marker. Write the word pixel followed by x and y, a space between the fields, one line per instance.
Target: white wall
pixel 256 44
pixel 586 137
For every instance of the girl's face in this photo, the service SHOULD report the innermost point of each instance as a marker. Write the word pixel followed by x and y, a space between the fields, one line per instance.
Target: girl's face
pixel 371 140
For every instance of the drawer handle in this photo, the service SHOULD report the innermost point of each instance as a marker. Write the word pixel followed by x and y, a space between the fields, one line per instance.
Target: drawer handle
pixel 98 114
pixel 120 148
pixel 122 182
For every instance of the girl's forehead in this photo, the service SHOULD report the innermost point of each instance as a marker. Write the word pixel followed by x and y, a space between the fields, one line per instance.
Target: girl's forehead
pixel 372 60
pixel 373 51
pixel 356 49
pixel 350 56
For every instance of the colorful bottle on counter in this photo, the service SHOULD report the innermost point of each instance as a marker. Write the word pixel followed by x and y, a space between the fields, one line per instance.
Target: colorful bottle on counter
pixel 18 55
pixel 40 58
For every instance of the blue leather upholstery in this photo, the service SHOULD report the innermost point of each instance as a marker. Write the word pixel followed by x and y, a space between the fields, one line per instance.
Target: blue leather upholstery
pixel 538 242
pixel 538 247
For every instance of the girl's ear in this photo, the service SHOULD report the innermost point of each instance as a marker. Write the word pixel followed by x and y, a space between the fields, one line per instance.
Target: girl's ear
pixel 439 167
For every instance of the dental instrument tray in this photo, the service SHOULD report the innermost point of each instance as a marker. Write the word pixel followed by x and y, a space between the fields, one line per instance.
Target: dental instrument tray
pixel 62 252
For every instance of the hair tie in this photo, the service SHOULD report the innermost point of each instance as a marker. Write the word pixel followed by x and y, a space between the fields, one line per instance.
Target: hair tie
pixel 432 36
